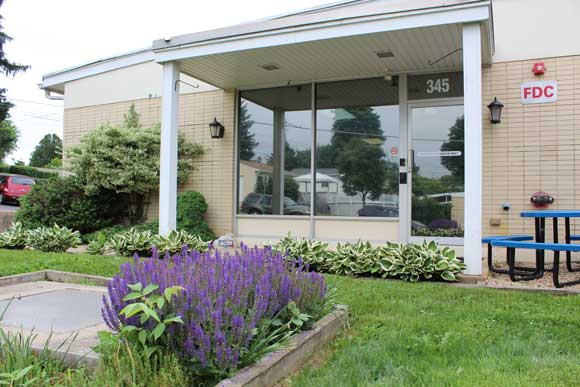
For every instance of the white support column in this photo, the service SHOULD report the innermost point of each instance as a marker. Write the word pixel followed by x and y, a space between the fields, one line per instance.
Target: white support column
pixel 169 133
pixel 473 146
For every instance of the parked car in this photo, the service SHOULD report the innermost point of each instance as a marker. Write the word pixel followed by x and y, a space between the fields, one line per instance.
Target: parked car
pixel 12 188
pixel 378 211
pixel 256 203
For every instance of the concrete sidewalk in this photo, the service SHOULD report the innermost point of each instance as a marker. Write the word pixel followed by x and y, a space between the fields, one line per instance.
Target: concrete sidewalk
pixel 57 311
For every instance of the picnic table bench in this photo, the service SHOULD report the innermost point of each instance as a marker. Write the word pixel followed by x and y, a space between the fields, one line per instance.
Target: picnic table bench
pixel 539 244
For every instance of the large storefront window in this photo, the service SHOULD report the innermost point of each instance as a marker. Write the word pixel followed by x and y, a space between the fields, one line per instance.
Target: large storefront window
pixel 357 148
pixel 274 151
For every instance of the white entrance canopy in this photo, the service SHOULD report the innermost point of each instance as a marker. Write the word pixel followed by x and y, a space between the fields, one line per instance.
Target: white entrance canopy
pixel 345 40
pixel 338 41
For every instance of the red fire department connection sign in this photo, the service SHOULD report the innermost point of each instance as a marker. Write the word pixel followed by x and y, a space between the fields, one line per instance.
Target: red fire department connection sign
pixel 539 92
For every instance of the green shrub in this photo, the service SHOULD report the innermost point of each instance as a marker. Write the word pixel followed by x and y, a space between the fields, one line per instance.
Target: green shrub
pixel 131 242
pixel 53 239
pixel 14 237
pixel 412 262
pixel 191 209
pixel 26 171
pixel 427 209
pixel 108 232
pixel 152 226
pixel 314 253
pixel 174 242
pixel 359 258
pixel 63 201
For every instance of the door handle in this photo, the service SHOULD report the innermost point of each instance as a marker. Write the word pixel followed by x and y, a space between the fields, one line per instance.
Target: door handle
pixel 403 178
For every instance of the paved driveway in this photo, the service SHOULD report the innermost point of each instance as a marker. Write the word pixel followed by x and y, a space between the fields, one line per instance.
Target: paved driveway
pixel 9 207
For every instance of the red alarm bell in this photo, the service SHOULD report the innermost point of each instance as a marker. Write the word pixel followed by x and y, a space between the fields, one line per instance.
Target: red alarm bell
pixel 539 68
pixel 541 199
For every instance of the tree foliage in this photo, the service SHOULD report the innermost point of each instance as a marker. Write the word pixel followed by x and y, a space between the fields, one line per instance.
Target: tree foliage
pixel 455 142
pixel 359 161
pixel 9 135
pixel 291 187
pixel 362 169
pixel 247 140
pixel 125 159
pixel 63 201
pixel 8 68
pixel 48 149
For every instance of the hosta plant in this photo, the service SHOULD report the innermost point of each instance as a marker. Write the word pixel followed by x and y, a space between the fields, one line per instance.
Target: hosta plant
pixel 14 237
pixel 131 242
pixel 412 262
pixel 54 239
pixel 360 258
pixel 314 253
pixel 177 240
pixel 97 245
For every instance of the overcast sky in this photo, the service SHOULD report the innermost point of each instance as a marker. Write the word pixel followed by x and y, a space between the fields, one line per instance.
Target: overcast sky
pixel 57 34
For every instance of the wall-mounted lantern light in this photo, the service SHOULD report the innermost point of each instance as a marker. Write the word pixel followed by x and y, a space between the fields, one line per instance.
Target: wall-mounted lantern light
pixel 216 129
pixel 495 110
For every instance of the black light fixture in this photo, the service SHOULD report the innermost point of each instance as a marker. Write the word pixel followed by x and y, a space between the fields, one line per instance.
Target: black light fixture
pixel 216 129
pixel 495 110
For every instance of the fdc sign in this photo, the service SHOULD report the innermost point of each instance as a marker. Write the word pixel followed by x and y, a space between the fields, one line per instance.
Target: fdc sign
pixel 539 92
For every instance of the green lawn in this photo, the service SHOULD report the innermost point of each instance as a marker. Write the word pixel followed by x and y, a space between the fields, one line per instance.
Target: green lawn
pixel 421 334
pixel 430 334
pixel 23 261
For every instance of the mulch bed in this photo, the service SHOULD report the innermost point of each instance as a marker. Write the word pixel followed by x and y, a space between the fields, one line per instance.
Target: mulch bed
pixel 545 282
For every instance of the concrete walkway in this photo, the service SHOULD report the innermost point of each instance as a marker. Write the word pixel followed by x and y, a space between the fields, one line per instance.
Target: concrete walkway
pixel 56 310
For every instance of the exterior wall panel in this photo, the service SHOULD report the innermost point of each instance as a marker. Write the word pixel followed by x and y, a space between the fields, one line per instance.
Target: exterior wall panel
pixel 534 148
pixel 214 171
pixel 135 82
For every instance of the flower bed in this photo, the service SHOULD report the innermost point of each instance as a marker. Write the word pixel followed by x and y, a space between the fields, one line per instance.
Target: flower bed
pixel 224 312
pixel 409 262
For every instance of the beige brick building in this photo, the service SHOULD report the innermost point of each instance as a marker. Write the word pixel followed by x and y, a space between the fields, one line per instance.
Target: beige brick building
pixel 411 79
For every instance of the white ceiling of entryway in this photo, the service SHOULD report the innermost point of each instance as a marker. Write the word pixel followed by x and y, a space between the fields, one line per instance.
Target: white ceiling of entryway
pixel 339 58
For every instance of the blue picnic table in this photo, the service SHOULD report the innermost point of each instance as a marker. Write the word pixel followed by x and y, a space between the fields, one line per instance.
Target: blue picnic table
pixel 540 217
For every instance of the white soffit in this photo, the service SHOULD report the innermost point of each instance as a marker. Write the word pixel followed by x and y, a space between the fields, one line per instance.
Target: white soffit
pixel 338 58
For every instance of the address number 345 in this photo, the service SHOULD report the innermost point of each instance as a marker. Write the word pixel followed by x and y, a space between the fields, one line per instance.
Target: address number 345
pixel 440 85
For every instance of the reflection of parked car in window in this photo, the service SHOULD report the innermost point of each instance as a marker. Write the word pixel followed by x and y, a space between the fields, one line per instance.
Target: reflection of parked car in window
pixel 256 203
pixel 12 188
pixel 378 211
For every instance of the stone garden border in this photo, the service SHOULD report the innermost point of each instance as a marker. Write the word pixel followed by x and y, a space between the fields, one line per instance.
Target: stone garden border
pixel 280 364
pixel 54 276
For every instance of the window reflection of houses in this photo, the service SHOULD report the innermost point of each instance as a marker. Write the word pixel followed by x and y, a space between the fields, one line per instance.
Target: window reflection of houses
pixel 331 200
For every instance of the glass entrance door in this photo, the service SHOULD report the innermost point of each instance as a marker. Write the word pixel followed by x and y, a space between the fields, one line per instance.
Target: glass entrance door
pixel 436 166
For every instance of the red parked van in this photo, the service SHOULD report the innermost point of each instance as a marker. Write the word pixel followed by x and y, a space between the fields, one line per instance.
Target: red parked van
pixel 13 187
